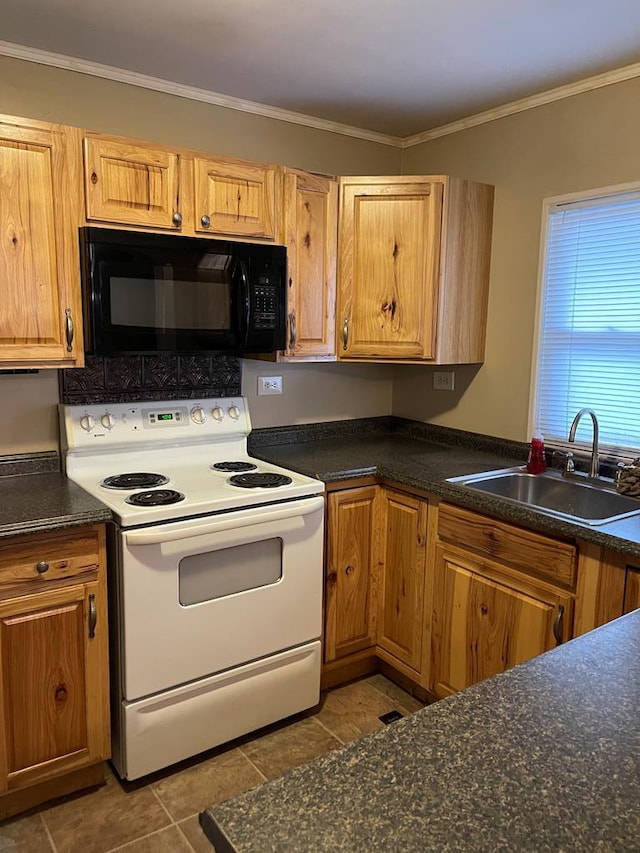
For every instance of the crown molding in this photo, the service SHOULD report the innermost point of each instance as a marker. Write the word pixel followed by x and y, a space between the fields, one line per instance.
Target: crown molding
pixel 598 81
pixel 144 81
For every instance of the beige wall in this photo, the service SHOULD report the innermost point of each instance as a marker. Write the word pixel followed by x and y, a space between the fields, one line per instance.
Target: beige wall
pixel 586 141
pixel 36 91
pixel 330 392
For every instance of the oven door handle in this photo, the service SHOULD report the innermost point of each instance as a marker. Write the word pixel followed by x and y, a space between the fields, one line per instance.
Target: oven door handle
pixel 159 535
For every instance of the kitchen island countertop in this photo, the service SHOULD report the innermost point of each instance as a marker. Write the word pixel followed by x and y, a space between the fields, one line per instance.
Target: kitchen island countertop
pixel 543 757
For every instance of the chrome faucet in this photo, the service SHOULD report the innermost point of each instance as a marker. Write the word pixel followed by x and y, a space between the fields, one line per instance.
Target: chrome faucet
pixel 594 468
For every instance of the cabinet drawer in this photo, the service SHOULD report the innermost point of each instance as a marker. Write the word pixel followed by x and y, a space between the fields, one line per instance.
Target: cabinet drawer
pixel 29 564
pixel 527 551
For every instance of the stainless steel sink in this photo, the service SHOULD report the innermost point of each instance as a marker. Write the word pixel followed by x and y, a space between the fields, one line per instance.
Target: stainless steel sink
pixel 589 501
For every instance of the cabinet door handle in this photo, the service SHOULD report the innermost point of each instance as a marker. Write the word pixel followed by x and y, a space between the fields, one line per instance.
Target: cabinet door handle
pixel 206 221
pixel 557 625
pixel 293 332
pixel 345 332
pixel 177 218
pixel 93 616
pixel 68 328
pixel 42 567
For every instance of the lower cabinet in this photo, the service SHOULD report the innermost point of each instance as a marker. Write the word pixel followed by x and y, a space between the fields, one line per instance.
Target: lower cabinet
pixel 631 589
pixel 401 584
pixel 375 577
pixel 486 620
pixel 501 595
pixel 54 689
pixel 350 571
pixel 447 597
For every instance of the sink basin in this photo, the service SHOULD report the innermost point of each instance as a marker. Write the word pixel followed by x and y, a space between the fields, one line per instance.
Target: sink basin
pixel 590 502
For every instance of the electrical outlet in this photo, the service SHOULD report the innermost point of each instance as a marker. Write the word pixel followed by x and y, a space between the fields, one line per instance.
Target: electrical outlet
pixel 269 385
pixel 443 380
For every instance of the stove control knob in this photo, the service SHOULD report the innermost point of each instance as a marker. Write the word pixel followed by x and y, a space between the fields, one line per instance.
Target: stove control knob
pixel 87 422
pixel 107 421
pixel 198 415
pixel 217 413
pixel 234 412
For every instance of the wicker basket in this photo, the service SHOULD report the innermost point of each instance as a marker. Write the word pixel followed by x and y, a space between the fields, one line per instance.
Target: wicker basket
pixel 628 479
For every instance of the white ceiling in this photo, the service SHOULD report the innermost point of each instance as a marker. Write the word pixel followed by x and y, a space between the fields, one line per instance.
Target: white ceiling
pixel 398 67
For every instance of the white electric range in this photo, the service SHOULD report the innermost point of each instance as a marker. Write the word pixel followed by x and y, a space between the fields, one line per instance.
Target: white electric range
pixel 215 575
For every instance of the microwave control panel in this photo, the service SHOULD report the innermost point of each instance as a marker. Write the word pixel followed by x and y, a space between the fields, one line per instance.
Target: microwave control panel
pixel 264 303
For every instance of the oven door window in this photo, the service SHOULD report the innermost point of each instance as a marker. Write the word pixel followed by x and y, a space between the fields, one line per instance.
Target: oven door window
pixel 229 571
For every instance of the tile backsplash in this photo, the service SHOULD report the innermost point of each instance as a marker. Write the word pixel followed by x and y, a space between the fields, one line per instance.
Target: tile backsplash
pixel 123 379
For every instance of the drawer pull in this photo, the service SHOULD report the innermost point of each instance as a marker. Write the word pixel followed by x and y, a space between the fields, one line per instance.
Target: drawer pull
pixel 42 567
pixel 93 616
pixel 557 625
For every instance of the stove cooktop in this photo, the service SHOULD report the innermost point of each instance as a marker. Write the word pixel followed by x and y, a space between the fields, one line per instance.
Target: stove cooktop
pixel 117 451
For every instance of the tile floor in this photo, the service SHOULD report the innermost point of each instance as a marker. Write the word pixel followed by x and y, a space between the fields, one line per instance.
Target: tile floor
pixel 159 814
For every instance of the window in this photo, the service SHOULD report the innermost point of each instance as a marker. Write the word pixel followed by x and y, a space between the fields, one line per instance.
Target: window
pixel 589 320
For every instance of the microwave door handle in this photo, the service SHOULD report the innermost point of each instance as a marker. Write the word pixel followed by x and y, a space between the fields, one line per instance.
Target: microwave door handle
pixel 244 306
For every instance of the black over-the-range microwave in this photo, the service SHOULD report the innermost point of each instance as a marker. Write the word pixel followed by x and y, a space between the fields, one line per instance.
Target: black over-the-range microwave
pixel 150 293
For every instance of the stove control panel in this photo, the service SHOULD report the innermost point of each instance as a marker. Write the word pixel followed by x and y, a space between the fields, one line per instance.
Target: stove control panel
pixel 115 424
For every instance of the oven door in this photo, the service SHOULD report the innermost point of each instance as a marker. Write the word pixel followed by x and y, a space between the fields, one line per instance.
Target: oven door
pixel 200 596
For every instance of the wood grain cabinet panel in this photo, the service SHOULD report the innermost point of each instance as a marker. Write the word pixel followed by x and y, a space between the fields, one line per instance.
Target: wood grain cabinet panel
pixel 311 236
pixel 131 183
pixel 40 303
pixel 402 578
pixel 54 686
pixel 234 198
pixel 632 589
pixel 414 258
pixel 351 571
pixel 482 626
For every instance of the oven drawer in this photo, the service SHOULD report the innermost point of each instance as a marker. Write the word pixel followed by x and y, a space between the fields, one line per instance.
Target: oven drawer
pixel 182 722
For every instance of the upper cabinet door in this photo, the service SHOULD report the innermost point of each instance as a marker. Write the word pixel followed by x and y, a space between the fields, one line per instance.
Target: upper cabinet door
pixel 132 183
pixel 389 263
pixel 414 269
pixel 234 198
pixel 40 306
pixel 311 235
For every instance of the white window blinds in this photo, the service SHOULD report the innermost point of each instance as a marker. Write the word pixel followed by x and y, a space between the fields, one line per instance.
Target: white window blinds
pixel 589 339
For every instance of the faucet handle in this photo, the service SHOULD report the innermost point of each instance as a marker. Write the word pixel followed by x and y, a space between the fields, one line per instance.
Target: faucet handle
pixel 569 464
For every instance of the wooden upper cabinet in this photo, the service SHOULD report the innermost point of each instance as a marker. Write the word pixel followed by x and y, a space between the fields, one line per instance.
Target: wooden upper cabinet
pixel 234 198
pixel 351 571
pixel 402 577
pixel 413 269
pixel 131 183
pixel 40 303
pixel 311 235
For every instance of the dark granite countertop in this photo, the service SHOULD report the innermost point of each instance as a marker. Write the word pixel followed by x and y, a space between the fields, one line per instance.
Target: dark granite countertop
pixel 541 758
pixel 35 496
pixel 423 457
